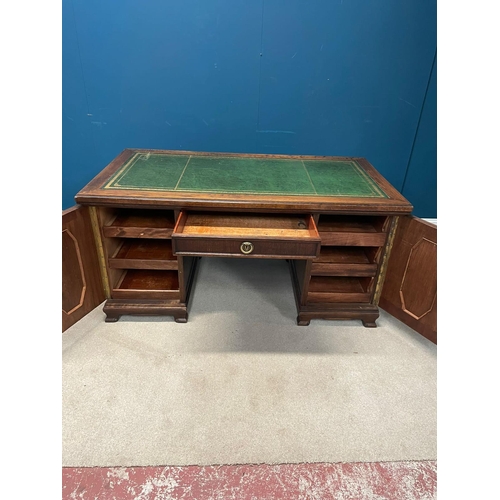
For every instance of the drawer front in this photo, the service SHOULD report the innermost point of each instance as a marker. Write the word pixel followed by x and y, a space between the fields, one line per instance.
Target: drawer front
pixel 247 247
pixel 246 235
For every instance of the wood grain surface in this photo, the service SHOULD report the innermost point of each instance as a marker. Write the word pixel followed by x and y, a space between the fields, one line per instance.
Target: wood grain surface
pixel 410 289
pixel 81 280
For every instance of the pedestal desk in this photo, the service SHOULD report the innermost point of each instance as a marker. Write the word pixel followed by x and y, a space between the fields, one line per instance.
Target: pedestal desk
pixel 155 213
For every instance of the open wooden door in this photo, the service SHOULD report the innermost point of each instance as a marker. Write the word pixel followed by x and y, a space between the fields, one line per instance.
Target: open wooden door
pixel 409 292
pixel 82 288
pixel 410 288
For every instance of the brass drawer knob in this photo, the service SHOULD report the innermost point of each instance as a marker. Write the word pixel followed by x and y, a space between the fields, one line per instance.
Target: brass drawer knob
pixel 246 247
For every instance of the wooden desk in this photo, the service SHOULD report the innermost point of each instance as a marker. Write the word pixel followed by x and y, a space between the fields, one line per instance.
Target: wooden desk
pixel 155 213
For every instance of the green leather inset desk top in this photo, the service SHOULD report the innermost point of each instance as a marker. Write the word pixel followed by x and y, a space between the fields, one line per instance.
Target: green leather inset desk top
pixel 242 175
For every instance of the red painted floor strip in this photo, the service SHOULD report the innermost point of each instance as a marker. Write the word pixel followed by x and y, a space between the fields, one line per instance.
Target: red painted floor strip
pixel 342 481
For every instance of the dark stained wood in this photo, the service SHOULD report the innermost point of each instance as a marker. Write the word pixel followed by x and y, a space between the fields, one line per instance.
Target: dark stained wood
pixel 338 289
pixel 148 304
pixel 144 284
pixel 141 240
pixel 344 261
pixel 149 280
pixel 365 312
pixel 187 269
pixel 224 225
pixel 232 248
pixel 334 284
pixel 352 223
pixel 208 234
pixel 386 186
pixel 144 254
pixel 343 255
pixel 93 193
pixel 109 245
pixel 145 218
pixel 145 249
pixel 74 284
pixel 373 253
pixel 353 239
pixel 336 246
pixel 141 224
pixel 352 230
pixel 301 277
pixel 114 308
pixel 320 269
pixel 410 289
pixel 82 289
pixel 110 169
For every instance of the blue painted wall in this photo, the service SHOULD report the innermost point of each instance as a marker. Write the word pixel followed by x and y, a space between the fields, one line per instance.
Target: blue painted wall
pixel 420 185
pixel 344 77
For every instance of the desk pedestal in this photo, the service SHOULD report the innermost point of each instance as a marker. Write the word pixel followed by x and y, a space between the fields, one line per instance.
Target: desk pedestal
pixel 148 258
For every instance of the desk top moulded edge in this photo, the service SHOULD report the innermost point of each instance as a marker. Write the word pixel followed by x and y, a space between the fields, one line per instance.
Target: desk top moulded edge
pixel 94 194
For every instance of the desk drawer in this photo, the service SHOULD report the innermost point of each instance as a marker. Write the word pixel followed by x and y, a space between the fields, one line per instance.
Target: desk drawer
pixel 246 235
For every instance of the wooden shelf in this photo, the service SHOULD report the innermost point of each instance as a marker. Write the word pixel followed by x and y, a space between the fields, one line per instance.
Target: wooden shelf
pixel 345 261
pixel 343 255
pixel 338 289
pixel 352 223
pixel 141 224
pixel 144 254
pixel 147 284
pixel 351 230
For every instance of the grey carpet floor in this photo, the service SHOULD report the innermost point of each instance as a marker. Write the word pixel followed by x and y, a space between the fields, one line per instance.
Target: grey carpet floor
pixel 241 383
